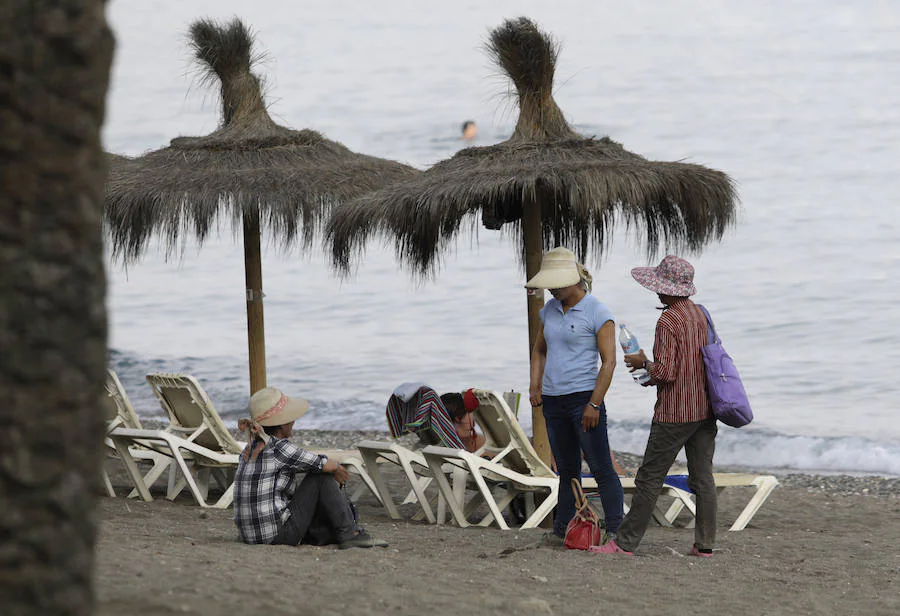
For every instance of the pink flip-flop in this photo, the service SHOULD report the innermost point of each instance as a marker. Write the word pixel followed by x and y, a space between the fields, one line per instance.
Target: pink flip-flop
pixel 609 548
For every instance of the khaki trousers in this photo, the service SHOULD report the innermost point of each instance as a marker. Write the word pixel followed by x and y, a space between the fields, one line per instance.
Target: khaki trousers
pixel 665 441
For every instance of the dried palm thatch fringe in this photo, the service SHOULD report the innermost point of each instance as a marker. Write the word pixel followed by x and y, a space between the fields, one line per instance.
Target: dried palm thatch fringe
pixel 583 186
pixel 249 165
pixel 115 161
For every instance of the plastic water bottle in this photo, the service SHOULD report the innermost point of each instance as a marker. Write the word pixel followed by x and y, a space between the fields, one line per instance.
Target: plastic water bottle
pixel 631 345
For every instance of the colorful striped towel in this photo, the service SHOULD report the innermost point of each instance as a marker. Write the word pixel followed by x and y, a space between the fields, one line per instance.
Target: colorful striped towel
pixel 424 415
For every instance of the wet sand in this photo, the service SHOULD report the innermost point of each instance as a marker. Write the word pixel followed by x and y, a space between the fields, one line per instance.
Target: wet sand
pixel 818 546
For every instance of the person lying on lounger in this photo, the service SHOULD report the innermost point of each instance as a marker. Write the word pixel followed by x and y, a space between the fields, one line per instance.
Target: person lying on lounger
pixel 461 408
pixel 270 505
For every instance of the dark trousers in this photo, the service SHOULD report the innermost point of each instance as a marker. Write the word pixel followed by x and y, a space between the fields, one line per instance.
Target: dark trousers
pixel 320 513
pixel 568 440
pixel 666 440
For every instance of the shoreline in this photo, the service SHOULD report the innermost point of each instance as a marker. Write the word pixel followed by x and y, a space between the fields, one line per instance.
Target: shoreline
pixel 832 483
pixel 844 484
pixel 771 453
pixel 827 483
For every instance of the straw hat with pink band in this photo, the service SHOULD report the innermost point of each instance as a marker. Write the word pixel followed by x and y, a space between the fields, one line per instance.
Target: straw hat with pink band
pixel 270 407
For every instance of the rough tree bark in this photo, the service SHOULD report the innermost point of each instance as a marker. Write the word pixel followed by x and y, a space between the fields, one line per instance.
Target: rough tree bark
pixel 55 57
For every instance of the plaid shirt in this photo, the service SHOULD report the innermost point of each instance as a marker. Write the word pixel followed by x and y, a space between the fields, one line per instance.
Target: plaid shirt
pixel 263 488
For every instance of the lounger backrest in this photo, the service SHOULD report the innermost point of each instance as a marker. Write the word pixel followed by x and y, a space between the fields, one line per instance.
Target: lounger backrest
pixel 119 399
pixel 497 438
pixel 503 431
pixel 191 412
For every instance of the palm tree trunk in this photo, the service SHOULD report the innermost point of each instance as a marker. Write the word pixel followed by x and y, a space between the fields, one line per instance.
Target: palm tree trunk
pixel 55 59
pixel 256 337
pixel 531 234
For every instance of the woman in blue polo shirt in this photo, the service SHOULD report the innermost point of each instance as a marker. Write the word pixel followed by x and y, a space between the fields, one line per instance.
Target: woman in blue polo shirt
pixel 576 330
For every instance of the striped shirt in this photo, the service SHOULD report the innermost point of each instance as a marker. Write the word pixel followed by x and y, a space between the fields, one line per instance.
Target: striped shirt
pixel 677 366
pixel 264 487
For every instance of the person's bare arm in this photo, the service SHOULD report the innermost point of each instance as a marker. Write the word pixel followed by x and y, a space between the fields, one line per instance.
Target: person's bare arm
pixel 606 345
pixel 538 361
pixel 341 474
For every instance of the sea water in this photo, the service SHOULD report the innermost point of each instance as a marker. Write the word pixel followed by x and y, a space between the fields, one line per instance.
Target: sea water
pixel 793 100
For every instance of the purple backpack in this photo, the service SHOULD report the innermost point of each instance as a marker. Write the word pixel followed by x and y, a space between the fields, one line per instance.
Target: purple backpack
pixel 723 383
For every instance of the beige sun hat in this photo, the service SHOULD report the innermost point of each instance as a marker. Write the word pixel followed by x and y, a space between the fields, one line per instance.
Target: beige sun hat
pixel 559 269
pixel 270 407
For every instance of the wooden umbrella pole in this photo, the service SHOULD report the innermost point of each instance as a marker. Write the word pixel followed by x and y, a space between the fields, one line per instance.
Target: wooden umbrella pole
pixel 531 232
pixel 256 338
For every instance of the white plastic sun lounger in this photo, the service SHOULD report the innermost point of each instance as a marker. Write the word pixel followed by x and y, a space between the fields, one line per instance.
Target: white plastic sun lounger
pixel 515 466
pixel 515 453
pixel 481 471
pixel 505 436
pixel 192 414
pixel 125 416
pixel 681 499
pixel 376 453
pixel 418 473
pixel 763 484
pixel 194 418
pixel 184 453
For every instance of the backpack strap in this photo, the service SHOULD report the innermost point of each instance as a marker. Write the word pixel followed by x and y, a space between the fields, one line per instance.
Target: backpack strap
pixel 710 327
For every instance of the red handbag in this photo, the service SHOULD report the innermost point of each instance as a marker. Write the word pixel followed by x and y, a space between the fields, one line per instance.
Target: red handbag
pixel 584 529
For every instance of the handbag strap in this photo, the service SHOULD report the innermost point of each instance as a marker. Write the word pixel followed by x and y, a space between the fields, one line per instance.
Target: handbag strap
pixel 582 506
pixel 579 493
pixel 710 328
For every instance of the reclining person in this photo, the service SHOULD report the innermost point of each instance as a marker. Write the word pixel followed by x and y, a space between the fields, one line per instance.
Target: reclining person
pixel 460 407
pixel 270 507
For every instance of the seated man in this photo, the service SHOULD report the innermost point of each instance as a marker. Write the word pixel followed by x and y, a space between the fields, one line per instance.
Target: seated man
pixel 269 506
pixel 460 408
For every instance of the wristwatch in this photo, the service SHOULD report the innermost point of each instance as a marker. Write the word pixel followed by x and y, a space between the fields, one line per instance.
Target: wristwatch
pixel 594 406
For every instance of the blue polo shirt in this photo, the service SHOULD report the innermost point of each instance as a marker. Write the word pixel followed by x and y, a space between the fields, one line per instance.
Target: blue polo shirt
pixel 572 356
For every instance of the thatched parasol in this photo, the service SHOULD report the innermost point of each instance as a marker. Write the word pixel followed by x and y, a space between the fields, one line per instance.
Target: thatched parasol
pixel 252 171
pixel 115 162
pixel 546 184
pixel 114 159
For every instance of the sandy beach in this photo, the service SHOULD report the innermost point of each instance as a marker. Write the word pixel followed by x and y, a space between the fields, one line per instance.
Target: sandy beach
pixel 820 545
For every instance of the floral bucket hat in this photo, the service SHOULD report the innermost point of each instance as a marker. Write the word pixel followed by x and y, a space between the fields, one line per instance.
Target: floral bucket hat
pixel 673 276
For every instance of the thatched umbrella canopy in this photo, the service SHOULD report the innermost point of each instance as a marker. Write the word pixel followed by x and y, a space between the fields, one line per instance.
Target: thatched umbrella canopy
pixel 546 184
pixel 260 175
pixel 115 161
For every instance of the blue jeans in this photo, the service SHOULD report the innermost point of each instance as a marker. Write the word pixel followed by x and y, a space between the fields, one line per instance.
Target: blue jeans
pixel 567 441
